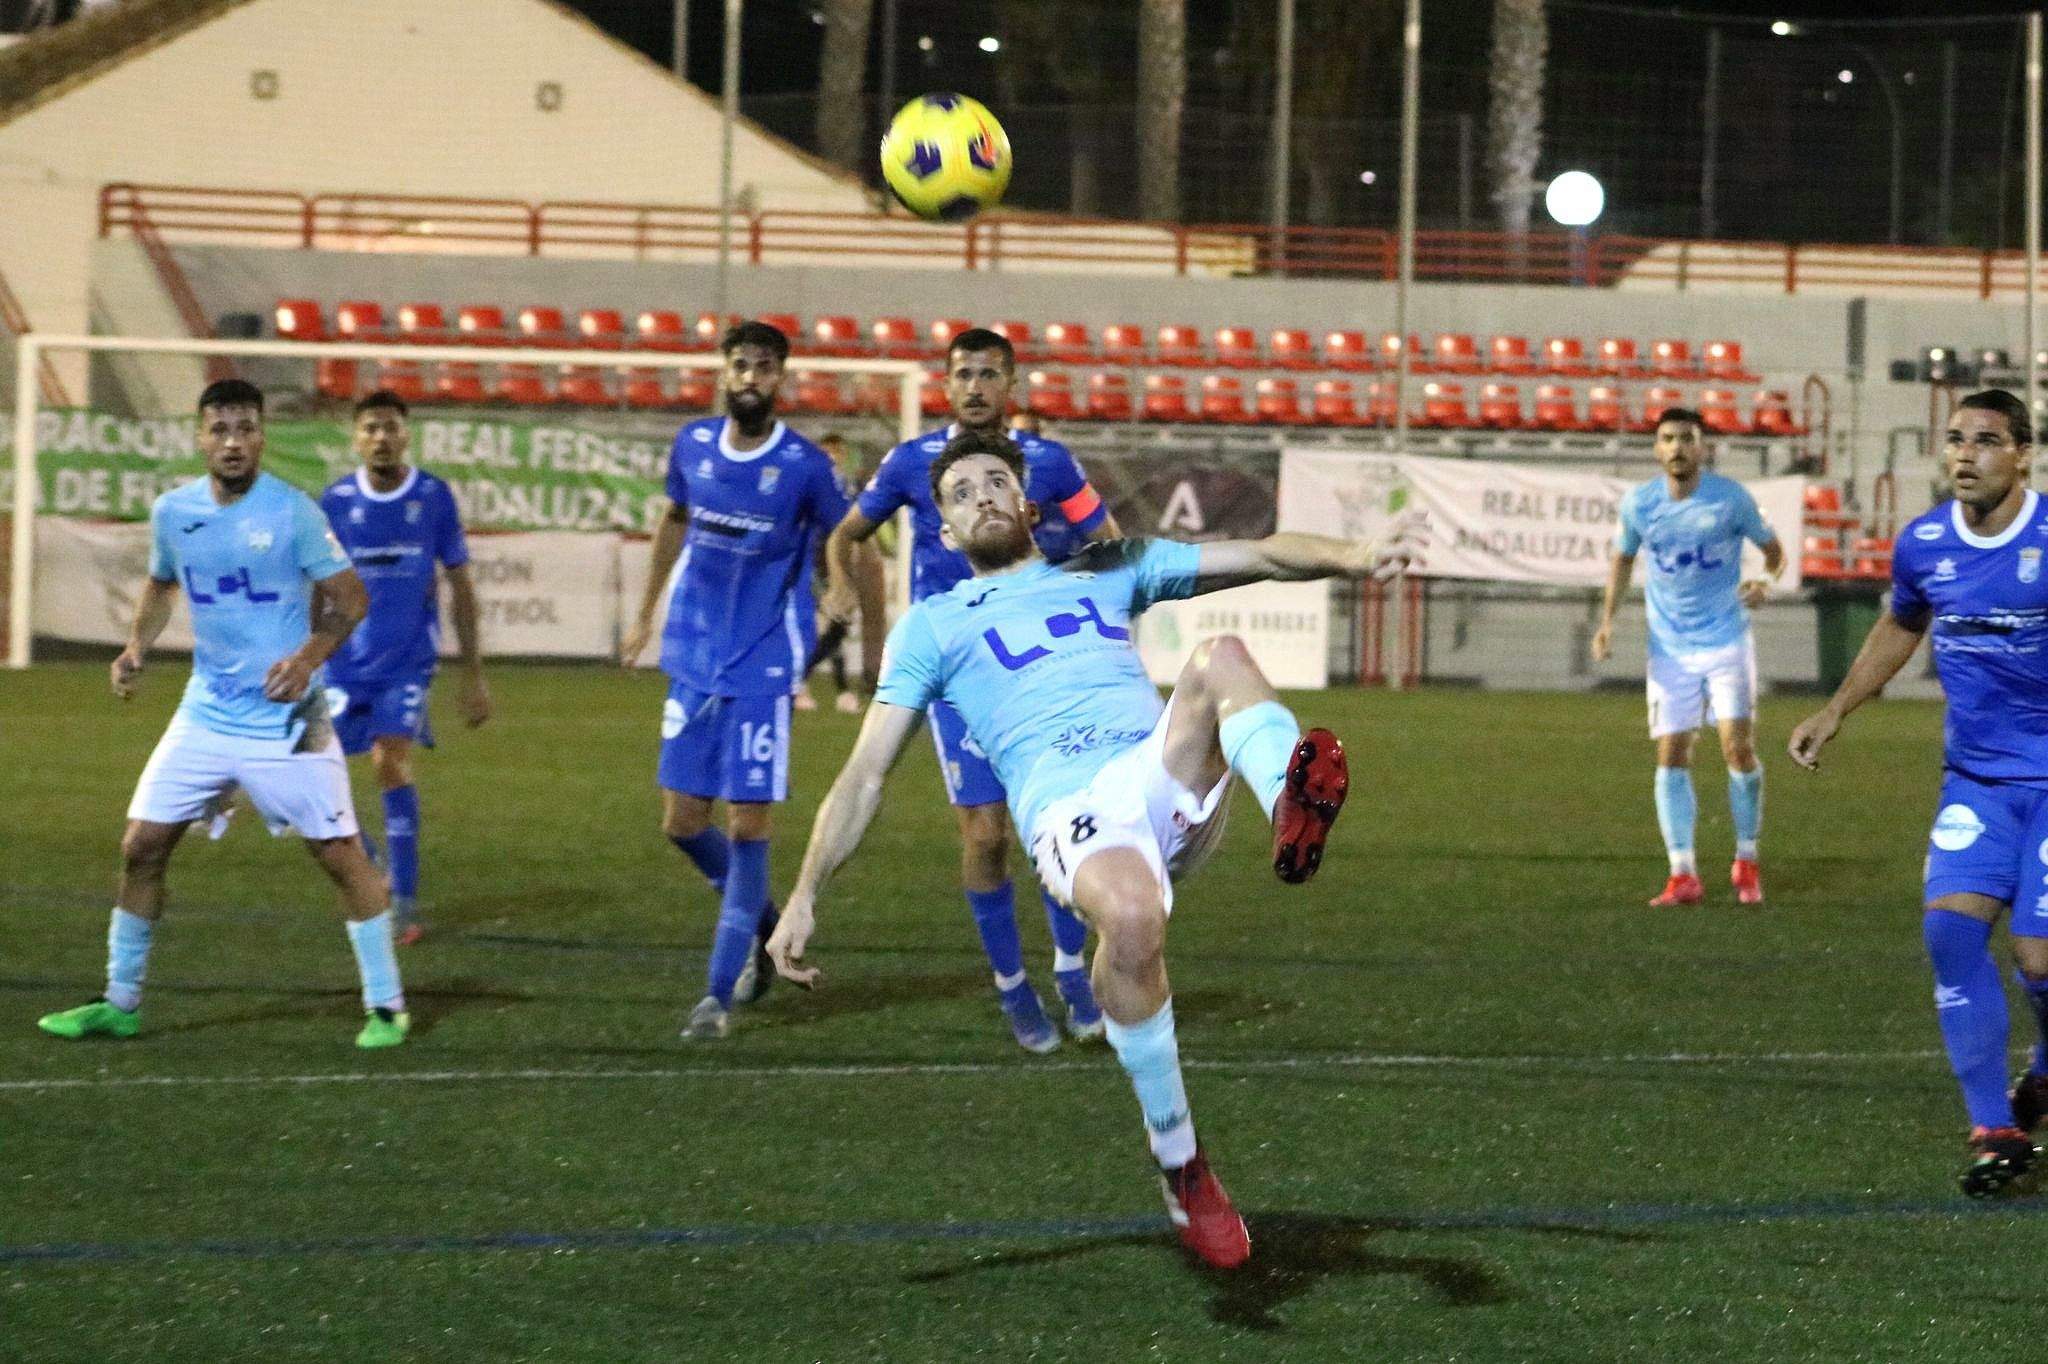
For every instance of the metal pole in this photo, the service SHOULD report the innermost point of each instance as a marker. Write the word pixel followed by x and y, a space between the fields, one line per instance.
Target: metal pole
pixel 21 562
pixel 1283 134
pixel 1710 128
pixel 731 79
pixel 1464 172
pixel 887 95
pixel 1946 179
pixel 1411 98
pixel 679 60
pixel 2033 202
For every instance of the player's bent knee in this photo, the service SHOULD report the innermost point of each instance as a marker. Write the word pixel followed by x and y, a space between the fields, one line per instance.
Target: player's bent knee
pixel 393 765
pixel 1133 935
pixel 1220 652
pixel 147 847
pixel 750 822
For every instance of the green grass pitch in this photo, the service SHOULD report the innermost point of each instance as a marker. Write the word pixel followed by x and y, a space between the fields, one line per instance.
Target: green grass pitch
pixel 1476 1100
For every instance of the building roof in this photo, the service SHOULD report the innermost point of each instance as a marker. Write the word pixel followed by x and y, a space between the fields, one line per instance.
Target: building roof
pixel 48 63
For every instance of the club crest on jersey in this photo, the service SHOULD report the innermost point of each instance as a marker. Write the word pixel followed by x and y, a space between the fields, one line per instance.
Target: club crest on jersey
pixel 770 476
pixel 1944 569
pixel 704 468
pixel 355 516
pixel 260 539
pixel 412 513
pixel 2030 564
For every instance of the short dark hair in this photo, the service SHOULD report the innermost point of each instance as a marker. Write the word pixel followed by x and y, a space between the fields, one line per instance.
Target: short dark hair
pixel 230 393
pixel 1683 414
pixel 981 338
pixel 382 397
pixel 2017 419
pixel 970 443
pixel 755 333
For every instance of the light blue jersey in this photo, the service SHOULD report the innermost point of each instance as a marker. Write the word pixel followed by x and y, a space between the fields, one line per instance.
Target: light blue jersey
pixel 247 570
pixel 1695 559
pixel 1041 663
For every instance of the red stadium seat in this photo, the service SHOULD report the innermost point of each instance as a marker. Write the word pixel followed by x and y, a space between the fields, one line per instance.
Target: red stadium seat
pixel 644 388
pixel 931 394
pixel 1510 355
pixel 821 394
pixel 1390 353
pixel 1050 394
pixel 696 390
pixel 1500 407
pixel 1021 340
pixel 601 329
pixel 1278 400
pixel 942 334
pixel 1179 345
pixel 1223 399
pixel 1565 355
pixel 1123 343
pixel 419 324
pixel 1672 360
pixel 357 321
pixel 1618 357
pixel 1873 557
pixel 1237 347
pixel 789 325
pixel 1443 405
pixel 299 319
pixel 895 338
pixel 1457 353
pixel 1821 556
pixel 543 327
pixel 1334 403
pixel 1381 406
pixel 1724 362
pixel 1109 396
pixel 707 331
pixel 1773 414
pixel 1655 403
pixel 659 329
pixel 1290 348
pixel 1166 398
pixel 1605 409
pixel 461 381
pixel 1347 351
pixel 1068 343
pixel 1719 413
pixel 836 335
pixel 1557 409
pixel 481 324
pixel 590 385
pixel 584 385
pixel 1823 509
pixel 522 383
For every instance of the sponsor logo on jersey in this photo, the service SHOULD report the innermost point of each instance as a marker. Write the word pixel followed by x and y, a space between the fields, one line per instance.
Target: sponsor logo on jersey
pixel 702 435
pixel 1929 531
pixel 704 468
pixel 770 476
pixel 1956 828
pixel 260 540
pixel 412 513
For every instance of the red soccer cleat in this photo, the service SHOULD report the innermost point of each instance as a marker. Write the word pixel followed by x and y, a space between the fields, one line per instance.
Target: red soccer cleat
pixel 1747 880
pixel 411 934
pixel 1317 780
pixel 1201 1212
pixel 1683 888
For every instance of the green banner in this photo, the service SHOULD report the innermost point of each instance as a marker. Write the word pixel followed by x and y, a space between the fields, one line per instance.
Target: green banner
pixel 507 473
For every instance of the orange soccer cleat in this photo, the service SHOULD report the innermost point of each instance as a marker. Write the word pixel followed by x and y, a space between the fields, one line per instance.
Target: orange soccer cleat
pixel 1683 888
pixel 1317 780
pixel 1747 880
pixel 1201 1212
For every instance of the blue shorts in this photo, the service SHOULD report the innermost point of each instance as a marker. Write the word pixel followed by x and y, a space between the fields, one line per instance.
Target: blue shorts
pixel 367 711
pixel 969 778
pixel 1991 838
pixel 733 748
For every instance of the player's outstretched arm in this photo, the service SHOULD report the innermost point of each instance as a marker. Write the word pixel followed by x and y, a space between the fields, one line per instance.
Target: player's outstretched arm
pixel 340 601
pixel 841 823
pixel 152 614
pixel 1619 567
pixel 475 697
pixel 1289 557
pixel 1885 650
pixel 668 547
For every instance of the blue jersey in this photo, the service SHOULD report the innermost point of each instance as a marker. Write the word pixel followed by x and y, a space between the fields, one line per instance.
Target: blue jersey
pixel 394 539
pixel 1695 546
pixel 1985 601
pixel 1068 507
pixel 1041 663
pixel 247 570
pixel 739 616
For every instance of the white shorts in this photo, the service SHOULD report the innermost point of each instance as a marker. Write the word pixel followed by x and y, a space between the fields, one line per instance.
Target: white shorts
pixel 193 767
pixel 1131 802
pixel 1686 690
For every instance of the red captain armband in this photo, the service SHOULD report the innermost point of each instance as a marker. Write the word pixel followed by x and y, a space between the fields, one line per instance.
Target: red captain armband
pixel 1081 505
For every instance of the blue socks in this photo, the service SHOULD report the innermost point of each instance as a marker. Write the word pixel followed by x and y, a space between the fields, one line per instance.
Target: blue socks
pixel 1677 812
pixel 739 914
pixel 708 849
pixel 2037 1000
pixel 127 958
pixel 1746 808
pixel 1258 743
pixel 1151 1057
pixel 377 962
pixel 402 840
pixel 995 918
pixel 1069 935
pixel 1969 1002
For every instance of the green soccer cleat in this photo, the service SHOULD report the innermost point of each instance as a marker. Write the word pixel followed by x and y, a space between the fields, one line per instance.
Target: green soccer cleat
pixel 95 1017
pixel 383 1028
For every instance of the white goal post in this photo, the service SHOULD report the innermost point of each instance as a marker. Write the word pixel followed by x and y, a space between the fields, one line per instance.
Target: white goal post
pixel 33 347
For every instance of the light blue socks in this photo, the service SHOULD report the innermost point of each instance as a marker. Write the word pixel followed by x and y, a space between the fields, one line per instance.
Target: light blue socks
pixel 1151 1057
pixel 377 962
pixel 1258 743
pixel 1746 807
pixel 1677 813
pixel 128 938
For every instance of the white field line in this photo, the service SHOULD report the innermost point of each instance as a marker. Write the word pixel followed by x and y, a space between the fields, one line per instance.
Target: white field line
pixel 1012 1069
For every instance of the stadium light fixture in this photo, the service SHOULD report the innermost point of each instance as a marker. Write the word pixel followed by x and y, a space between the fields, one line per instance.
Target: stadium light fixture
pixel 925 43
pixel 990 44
pixel 1845 75
pixel 1783 29
pixel 1368 177
pixel 1574 199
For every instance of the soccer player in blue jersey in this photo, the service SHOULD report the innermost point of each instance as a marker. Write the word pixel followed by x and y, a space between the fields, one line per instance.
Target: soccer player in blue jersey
pixel 981 369
pixel 397 522
pixel 1969 572
pixel 272 597
pixel 748 499
pixel 1114 793
pixel 1702 657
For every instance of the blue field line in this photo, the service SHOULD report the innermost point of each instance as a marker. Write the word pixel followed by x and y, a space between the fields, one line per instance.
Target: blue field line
pixel 1615 1216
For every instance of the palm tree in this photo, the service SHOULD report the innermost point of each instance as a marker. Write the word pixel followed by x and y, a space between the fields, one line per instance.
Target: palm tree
pixel 1162 97
pixel 1514 125
pixel 842 70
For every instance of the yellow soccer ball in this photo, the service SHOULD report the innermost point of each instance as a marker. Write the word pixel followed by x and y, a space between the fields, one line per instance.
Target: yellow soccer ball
pixel 946 158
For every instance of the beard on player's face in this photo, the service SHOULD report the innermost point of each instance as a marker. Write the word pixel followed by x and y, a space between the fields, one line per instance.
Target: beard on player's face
pixel 749 406
pixel 997 539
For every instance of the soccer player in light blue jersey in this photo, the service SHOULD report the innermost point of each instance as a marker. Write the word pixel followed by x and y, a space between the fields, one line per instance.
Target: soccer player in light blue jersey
pixel 398 523
pixel 272 597
pixel 1114 793
pixel 1968 572
pixel 748 499
pixel 981 370
pixel 1702 657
